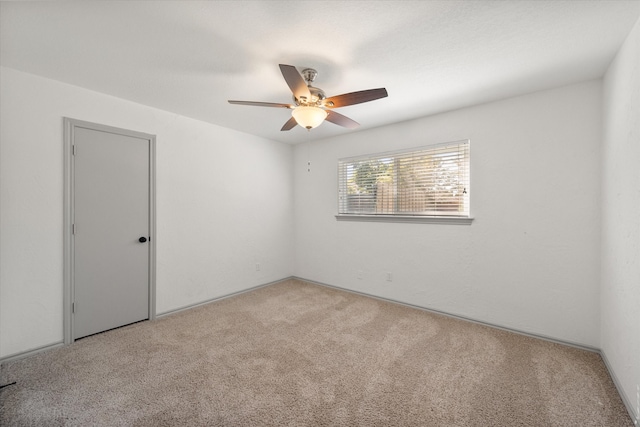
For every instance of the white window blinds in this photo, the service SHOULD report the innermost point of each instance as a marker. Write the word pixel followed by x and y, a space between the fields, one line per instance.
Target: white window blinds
pixel 426 181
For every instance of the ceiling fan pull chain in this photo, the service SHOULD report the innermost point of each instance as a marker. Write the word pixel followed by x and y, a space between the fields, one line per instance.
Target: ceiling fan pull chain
pixel 309 150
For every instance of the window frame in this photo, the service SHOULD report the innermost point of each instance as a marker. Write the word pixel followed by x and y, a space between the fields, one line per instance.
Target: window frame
pixel 403 217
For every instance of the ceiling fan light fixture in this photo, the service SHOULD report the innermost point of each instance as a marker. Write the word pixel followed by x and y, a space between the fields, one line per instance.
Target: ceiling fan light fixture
pixel 309 108
pixel 309 117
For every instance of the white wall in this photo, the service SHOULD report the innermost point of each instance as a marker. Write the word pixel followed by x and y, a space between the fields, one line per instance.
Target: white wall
pixel 530 260
pixel 224 202
pixel 620 293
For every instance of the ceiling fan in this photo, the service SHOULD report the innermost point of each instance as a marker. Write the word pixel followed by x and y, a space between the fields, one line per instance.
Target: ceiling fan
pixel 311 107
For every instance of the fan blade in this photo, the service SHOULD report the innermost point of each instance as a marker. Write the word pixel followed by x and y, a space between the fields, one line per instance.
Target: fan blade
pixel 295 81
pixel 261 104
pixel 291 123
pixel 339 119
pixel 355 98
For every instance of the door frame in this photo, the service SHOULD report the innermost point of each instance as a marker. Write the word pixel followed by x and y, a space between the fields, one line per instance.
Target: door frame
pixel 70 126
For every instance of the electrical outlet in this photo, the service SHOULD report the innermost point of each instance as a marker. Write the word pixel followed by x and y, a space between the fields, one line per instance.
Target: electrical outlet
pixel 389 277
pixel 257 266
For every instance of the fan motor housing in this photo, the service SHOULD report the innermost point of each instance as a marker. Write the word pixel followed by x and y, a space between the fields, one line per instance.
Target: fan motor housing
pixel 317 96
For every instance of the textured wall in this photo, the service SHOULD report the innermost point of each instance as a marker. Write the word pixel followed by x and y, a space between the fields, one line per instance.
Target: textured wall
pixel 224 203
pixel 621 219
pixel 529 261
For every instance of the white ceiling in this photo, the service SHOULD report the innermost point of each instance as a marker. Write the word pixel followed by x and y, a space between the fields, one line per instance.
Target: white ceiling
pixel 190 57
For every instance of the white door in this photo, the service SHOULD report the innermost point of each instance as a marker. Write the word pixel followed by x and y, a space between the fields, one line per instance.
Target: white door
pixel 111 229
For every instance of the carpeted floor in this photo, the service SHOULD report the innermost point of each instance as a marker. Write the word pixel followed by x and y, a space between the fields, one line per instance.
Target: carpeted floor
pixel 296 354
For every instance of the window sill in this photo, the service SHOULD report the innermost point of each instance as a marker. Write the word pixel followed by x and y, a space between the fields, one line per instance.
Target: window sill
pixel 408 218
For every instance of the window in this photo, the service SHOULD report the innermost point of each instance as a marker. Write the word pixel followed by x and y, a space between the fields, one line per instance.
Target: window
pixel 426 182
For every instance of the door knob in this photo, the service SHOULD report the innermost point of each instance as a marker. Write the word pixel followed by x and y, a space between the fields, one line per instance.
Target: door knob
pixel 142 239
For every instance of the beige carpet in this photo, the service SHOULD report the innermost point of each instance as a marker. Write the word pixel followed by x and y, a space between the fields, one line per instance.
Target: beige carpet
pixel 295 354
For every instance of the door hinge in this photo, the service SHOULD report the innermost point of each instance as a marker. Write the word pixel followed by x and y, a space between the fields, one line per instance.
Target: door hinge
pixel 73 229
pixel 73 150
pixel 73 307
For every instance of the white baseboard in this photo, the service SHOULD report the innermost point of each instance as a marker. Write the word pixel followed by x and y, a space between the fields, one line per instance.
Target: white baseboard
pixel 625 399
pixel 209 301
pixel 23 354
pixel 456 316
